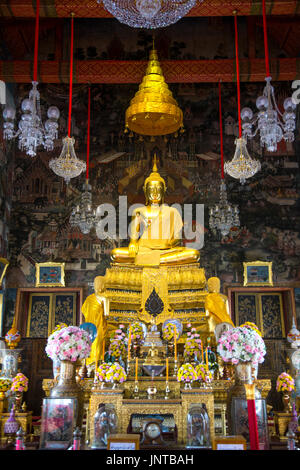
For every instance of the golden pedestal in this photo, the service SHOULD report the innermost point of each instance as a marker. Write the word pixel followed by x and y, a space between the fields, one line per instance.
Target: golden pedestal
pixel 181 288
pixel 281 423
pixel 178 406
pixel 23 418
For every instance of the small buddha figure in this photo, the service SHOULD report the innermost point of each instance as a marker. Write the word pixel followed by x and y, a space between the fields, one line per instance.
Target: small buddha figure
pixel 96 310
pixel 155 231
pixel 216 305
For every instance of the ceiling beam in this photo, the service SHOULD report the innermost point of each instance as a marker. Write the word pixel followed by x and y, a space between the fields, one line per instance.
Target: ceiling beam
pixel 91 9
pixel 175 71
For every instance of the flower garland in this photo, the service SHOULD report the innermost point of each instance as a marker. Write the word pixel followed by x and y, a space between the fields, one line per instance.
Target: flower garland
pixel 186 373
pixel 168 332
pixel 116 373
pixel 69 344
pixel 241 344
pixel 118 341
pixel 5 384
pixel 285 383
pixel 102 371
pixel 249 324
pixel 19 383
pixel 137 332
pixel 192 345
pixel 203 375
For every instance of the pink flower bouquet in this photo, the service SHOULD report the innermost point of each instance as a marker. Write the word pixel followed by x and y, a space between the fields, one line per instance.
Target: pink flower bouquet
pixel 241 344
pixel 69 344
pixel 116 373
pixel 186 373
pixel 19 383
pixel 102 371
pixel 285 383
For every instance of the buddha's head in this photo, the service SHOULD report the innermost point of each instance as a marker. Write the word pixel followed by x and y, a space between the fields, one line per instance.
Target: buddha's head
pixel 154 187
pixel 99 284
pixel 213 284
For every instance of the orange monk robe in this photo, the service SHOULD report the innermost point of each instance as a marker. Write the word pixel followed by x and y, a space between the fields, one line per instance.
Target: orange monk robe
pixel 93 310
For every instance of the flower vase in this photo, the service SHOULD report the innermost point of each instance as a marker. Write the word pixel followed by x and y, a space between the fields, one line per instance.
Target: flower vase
pixel 115 385
pixel 66 385
pixel 243 375
pixel 18 401
pixel 56 367
pixel 286 399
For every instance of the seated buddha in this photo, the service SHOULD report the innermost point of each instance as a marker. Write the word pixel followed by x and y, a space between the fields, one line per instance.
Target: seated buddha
pixel 155 231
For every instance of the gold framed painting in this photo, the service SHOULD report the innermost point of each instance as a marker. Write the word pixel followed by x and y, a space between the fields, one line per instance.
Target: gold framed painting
pixel 3 267
pixel 258 273
pixel 50 275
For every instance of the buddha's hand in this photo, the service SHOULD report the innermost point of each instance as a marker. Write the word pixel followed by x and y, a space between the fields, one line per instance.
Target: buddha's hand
pixel 133 249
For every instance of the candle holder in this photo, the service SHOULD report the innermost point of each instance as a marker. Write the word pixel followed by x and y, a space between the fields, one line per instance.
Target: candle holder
pixel 175 368
pixel 136 390
pixel 167 390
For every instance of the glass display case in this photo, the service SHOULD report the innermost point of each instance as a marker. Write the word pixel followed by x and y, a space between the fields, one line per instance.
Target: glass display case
pixel 198 427
pixel 9 362
pixel 105 424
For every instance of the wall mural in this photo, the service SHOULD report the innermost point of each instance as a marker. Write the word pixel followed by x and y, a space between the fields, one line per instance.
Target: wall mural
pixel 269 202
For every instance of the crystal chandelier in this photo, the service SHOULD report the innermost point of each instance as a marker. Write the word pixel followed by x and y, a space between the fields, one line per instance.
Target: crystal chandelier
pixel 271 124
pixel 223 216
pixel 67 165
pixel 31 132
pixel 242 166
pixel 149 14
pixel 83 216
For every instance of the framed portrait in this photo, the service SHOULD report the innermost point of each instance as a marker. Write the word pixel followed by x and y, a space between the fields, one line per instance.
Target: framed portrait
pixel 50 275
pixel 58 423
pixel 3 267
pixel 258 273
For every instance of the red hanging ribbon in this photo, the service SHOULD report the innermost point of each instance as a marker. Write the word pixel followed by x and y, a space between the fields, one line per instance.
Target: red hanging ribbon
pixel 71 76
pixel 36 41
pixel 221 132
pixel 88 135
pixel 253 430
pixel 266 39
pixel 238 75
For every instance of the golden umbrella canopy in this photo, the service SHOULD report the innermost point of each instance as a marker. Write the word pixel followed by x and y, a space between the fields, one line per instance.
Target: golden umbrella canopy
pixel 153 110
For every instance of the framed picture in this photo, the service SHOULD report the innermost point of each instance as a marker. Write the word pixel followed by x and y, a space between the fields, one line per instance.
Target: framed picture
pixel 50 275
pixel 229 443
pixel 123 442
pixel 258 273
pixel 3 267
pixel 58 423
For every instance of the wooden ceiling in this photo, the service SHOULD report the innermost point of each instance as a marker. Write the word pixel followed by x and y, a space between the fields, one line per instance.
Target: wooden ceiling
pixel 91 9
pixel 17 34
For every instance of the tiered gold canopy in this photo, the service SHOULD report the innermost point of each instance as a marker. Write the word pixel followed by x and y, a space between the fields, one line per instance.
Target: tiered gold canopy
pixel 153 110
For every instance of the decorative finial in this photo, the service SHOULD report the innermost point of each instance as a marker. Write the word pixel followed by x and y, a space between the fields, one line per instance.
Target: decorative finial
pixel 154 163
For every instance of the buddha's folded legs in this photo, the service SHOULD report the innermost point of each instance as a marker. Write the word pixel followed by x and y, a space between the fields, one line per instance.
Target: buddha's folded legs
pixel 121 255
pixel 180 256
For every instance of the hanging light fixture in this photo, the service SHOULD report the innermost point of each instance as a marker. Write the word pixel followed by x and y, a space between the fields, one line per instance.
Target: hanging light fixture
pixel 242 166
pixel 83 216
pixel 149 14
pixel 67 165
pixel 223 216
pixel 153 110
pixel 272 125
pixel 32 133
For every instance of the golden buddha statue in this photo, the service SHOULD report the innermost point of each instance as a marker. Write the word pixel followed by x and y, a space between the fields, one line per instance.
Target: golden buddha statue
pixel 216 305
pixel 155 231
pixel 96 310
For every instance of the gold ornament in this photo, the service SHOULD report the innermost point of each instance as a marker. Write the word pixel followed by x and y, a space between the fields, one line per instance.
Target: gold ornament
pixel 153 110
